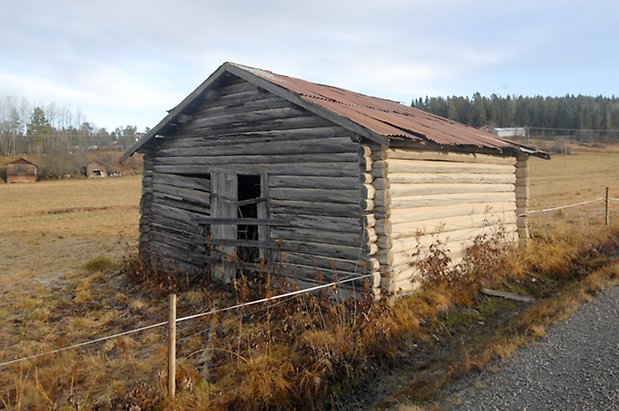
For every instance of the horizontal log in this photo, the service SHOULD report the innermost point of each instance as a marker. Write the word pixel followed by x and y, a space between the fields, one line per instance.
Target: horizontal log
pixel 252 102
pixel 310 194
pixel 323 146
pixel 404 190
pixel 176 213
pixel 451 178
pixel 267 124
pixel 176 225
pixel 318 235
pixel 290 159
pixel 327 263
pixel 337 224
pixel 322 249
pixel 305 277
pixel 216 100
pixel 243 221
pixel 417 166
pixel 294 181
pixel 451 224
pixel 194 183
pixel 171 258
pixel 189 242
pixel 216 138
pixel 326 169
pixel 414 214
pixel 241 243
pixel 201 198
pixel 399 261
pixel 241 117
pixel 178 202
pixel 465 235
pixel 440 200
pixel 316 208
pixel 399 153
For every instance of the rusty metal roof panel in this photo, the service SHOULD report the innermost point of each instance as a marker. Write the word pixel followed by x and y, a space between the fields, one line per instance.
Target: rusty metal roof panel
pixel 385 117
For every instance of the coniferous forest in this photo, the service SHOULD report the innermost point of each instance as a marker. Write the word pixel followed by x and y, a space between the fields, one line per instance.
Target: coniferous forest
pixel 548 115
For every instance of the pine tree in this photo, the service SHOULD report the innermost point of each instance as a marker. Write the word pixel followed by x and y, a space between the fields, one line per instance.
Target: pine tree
pixel 38 129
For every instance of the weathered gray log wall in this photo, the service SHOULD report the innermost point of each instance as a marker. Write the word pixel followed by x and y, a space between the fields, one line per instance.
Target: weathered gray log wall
pixel 428 197
pixel 312 170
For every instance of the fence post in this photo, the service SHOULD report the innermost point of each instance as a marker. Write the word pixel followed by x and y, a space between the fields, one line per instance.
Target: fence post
pixel 172 345
pixel 607 211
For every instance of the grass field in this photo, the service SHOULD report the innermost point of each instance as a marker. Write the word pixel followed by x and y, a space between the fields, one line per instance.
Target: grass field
pixel 54 227
pixel 58 239
pixel 578 177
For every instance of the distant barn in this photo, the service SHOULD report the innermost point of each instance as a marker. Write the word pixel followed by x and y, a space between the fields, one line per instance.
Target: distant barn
pixel 96 169
pixel 21 171
pixel 313 181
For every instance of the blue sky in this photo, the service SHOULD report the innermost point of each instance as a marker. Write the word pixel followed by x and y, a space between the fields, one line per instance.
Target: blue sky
pixel 127 62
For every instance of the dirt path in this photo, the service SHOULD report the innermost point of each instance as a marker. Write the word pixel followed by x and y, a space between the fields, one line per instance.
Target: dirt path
pixel 575 367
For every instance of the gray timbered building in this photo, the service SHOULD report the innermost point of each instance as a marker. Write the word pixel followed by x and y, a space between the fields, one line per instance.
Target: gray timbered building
pixel 312 181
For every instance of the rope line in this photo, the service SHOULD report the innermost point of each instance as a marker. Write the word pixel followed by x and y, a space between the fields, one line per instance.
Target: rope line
pixel 190 317
pixel 560 207
pixel 255 302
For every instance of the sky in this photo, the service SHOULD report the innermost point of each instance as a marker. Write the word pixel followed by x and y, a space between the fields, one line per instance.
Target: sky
pixel 127 62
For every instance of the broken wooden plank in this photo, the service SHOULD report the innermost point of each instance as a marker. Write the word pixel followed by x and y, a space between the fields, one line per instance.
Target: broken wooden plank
pixel 508 295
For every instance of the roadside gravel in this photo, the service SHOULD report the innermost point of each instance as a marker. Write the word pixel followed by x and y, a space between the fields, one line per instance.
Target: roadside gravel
pixel 576 367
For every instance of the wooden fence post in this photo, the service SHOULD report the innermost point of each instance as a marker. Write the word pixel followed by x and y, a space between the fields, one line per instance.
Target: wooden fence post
pixel 172 345
pixel 607 211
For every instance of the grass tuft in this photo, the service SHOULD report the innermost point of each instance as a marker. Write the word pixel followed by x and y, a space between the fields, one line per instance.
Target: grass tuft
pixel 99 264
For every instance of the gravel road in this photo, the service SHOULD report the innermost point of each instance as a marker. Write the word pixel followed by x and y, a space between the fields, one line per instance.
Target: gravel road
pixel 576 367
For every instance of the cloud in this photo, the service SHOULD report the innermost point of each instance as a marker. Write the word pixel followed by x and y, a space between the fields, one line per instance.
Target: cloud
pixel 125 62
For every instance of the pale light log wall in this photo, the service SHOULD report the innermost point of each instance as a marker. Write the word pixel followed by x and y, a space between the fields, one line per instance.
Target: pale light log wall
pixel 312 169
pixel 445 196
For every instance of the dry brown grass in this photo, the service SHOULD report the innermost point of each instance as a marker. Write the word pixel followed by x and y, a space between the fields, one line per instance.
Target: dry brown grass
pixel 578 177
pixel 63 238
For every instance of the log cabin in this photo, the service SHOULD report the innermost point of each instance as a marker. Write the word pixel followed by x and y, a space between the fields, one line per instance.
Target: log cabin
pixel 21 171
pixel 312 180
pixel 96 169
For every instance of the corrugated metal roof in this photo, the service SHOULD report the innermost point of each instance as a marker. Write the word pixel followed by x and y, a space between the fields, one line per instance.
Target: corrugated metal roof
pixel 384 117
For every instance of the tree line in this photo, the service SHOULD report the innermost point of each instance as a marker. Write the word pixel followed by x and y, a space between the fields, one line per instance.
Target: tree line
pixel 27 128
pixel 567 113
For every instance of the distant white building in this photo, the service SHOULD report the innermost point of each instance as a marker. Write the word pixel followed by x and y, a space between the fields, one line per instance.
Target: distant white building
pixel 510 132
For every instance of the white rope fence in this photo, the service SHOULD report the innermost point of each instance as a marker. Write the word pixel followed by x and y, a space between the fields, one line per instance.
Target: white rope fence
pixel 545 210
pixel 260 301
pixel 190 317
